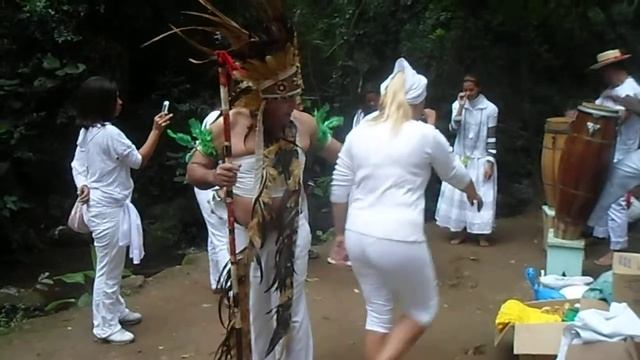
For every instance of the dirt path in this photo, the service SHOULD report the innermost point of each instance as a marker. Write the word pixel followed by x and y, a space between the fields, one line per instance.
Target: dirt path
pixel 181 318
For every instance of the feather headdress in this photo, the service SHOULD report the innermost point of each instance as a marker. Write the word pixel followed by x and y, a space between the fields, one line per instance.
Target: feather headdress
pixel 268 56
pixel 269 63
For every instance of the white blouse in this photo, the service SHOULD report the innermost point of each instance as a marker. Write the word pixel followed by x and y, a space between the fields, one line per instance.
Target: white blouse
pixel 383 177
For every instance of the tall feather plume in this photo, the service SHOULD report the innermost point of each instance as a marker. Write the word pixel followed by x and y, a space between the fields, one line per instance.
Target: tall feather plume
pixel 219 23
pixel 264 53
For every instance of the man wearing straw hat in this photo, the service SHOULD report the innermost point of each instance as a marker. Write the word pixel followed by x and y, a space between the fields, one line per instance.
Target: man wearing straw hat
pixel 611 65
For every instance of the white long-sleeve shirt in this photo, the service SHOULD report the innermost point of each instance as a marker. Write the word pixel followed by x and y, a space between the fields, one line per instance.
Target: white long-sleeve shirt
pixel 383 177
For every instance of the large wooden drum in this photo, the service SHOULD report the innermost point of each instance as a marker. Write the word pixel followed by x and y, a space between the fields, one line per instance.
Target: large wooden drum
pixel 584 166
pixel 556 131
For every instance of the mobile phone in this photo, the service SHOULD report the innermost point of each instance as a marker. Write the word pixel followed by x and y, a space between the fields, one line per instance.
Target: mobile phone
pixel 165 106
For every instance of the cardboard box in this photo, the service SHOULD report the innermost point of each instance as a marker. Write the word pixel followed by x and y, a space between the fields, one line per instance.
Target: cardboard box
pixel 542 341
pixel 626 279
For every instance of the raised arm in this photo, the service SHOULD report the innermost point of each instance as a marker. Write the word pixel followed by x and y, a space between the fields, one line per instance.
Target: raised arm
pixel 456 112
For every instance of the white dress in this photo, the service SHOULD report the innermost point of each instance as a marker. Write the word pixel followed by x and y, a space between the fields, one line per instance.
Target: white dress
pixel 475 145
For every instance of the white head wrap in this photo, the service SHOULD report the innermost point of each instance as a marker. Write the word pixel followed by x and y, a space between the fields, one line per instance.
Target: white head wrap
pixel 415 86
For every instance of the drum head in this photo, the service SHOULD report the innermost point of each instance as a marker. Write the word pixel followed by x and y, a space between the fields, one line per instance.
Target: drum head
pixel 559 120
pixel 557 125
pixel 599 110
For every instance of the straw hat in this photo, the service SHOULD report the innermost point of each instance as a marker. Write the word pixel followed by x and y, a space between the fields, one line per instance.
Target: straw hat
pixel 609 57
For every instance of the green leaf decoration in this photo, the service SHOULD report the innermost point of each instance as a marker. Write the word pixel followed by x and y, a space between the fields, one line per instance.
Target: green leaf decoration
pixel 326 124
pixel 200 139
pixel 195 126
pixel 180 138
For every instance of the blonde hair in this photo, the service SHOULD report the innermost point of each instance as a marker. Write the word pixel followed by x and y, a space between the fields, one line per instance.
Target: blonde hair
pixel 393 105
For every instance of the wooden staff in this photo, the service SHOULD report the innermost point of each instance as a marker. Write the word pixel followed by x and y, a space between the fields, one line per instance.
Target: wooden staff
pixel 242 349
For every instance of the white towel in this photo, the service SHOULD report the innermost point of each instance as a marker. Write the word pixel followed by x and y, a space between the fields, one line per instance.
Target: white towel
pixel 131 232
pixel 617 324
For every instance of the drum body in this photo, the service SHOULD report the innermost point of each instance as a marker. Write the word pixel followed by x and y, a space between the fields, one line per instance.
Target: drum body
pixel 584 166
pixel 556 131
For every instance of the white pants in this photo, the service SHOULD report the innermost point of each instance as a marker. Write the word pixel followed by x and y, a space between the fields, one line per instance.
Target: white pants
pixel 614 226
pixel 390 270
pixel 217 234
pixel 108 304
pixel 624 176
pixel 299 344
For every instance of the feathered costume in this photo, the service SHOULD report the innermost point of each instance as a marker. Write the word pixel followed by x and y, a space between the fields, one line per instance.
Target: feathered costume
pixel 268 62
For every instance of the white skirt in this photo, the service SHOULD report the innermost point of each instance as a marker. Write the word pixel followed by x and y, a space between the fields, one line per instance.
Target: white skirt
pixel 455 212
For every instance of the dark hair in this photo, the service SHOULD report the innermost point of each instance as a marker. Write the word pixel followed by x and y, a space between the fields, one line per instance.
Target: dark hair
pixel 472 78
pixel 96 101
pixel 370 88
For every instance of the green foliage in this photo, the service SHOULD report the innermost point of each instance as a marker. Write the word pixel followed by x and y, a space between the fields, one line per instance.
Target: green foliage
pixel 73 278
pixel 44 61
pixel 12 315
pixel 10 204
pixel 53 306
pixel 199 139
pixel 83 278
pixel 322 187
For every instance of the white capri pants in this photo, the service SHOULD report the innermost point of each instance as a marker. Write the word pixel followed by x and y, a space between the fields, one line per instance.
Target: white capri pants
pixel 624 176
pixel 392 270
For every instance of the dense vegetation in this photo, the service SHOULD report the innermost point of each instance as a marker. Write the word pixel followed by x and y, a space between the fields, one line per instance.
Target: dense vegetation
pixel 532 56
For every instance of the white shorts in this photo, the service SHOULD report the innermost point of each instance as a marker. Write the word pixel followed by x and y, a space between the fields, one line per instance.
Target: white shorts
pixel 390 270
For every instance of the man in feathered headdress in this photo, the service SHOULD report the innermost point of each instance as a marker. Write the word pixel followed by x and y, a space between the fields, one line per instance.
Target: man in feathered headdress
pixel 269 142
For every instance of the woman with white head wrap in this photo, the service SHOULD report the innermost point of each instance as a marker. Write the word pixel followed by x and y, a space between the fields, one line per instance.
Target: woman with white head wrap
pixel 378 207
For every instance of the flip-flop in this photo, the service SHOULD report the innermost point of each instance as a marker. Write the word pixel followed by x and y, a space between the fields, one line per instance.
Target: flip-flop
pixel 458 241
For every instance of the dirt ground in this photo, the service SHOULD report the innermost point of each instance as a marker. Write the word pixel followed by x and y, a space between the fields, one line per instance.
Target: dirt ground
pixel 180 316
